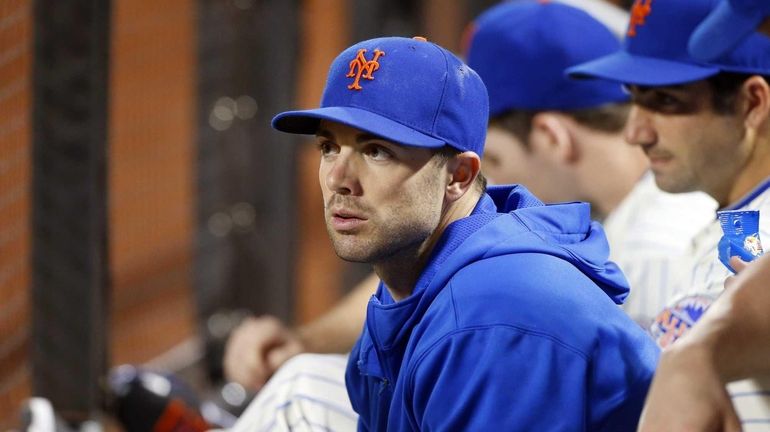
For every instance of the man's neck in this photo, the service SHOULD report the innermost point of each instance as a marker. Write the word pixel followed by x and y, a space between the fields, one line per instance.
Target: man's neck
pixel 400 273
pixel 614 186
pixel 753 173
pixel 608 168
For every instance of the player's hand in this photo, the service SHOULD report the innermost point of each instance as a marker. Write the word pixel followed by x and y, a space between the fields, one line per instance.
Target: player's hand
pixel 738 265
pixel 257 348
pixel 687 395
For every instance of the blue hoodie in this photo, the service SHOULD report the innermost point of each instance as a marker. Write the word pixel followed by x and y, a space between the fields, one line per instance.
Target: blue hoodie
pixel 512 325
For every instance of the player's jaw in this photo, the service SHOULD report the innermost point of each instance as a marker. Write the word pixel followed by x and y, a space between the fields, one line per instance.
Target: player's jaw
pixel 350 231
pixel 672 172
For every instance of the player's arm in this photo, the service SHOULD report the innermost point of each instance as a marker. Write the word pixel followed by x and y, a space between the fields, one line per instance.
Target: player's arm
pixel 259 346
pixel 337 330
pixel 729 343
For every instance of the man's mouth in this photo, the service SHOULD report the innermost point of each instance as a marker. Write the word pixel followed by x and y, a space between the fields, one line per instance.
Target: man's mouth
pixel 658 157
pixel 346 220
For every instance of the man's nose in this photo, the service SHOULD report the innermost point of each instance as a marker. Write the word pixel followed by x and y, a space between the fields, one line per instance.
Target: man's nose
pixel 342 176
pixel 639 129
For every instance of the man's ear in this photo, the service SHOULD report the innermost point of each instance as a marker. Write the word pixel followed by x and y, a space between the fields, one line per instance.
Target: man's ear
pixel 551 135
pixel 463 170
pixel 755 93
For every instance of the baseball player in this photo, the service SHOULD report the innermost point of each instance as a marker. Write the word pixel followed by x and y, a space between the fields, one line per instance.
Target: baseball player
pixel 562 138
pixel 452 329
pixel 475 284
pixel 262 344
pixel 306 385
pixel 737 323
pixel 704 126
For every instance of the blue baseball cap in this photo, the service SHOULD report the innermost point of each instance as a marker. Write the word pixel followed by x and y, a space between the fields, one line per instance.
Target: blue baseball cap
pixel 726 26
pixel 521 50
pixel 655 49
pixel 409 91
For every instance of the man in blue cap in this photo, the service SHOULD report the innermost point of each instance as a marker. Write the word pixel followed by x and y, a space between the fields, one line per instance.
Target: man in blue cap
pixel 494 310
pixel 562 138
pixel 592 116
pixel 704 126
pixel 602 173
pixel 737 323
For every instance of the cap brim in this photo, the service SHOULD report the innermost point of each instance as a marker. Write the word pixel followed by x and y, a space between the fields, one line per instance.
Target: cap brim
pixel 306 123
pixel 722 30
pixel 634 69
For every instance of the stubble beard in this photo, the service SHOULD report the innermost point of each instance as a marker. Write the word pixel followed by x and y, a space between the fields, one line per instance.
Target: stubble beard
pixel 380 243
pixel 395 235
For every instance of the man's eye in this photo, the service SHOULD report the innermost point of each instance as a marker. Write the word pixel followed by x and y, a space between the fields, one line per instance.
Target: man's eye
pixel 666 100
pixel 662 102
pixel 327 148
pixel 378 153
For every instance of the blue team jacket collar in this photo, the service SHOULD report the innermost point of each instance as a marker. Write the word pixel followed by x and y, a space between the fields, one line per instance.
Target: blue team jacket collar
pixel 389 323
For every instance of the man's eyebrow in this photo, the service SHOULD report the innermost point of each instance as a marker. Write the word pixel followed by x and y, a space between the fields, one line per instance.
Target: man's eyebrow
pixel 364 137
pixel 323 133
pixel 360 138
pixel 644 89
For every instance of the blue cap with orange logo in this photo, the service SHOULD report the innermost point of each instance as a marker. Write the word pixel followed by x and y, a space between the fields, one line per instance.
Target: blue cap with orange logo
pixel 726 26
pixel 409 91
pixel 655 50
pixel 521 50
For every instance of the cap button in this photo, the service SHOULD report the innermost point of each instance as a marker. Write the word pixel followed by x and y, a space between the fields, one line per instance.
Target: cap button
pixel 420 38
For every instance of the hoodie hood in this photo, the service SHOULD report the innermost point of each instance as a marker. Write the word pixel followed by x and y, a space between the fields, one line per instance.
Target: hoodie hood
pixel 567 232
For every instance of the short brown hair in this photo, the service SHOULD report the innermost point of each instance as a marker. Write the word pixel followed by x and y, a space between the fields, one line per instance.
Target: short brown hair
pixel 609 118
pixel 724 90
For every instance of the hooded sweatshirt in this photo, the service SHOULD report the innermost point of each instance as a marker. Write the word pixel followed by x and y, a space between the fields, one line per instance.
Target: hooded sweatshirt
pixel 512 325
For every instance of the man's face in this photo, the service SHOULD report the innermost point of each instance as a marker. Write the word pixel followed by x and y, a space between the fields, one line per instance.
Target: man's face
pixel 508 160
pixel 381 199
pixel 689 145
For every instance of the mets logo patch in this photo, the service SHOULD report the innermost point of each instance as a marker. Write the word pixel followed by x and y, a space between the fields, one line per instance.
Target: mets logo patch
pixel 639 12
pixel 360 67
pixel 676 319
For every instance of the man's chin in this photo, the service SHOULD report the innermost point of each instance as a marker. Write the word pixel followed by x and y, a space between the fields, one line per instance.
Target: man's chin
pixel 353 256
pixel 349 250
pixel 674 186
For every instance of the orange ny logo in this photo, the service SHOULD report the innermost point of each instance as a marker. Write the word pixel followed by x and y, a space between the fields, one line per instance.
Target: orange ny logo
pixel 360 67
pixel 639 13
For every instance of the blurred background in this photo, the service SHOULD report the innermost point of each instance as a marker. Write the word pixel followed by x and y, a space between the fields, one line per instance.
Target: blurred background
pixel 145 202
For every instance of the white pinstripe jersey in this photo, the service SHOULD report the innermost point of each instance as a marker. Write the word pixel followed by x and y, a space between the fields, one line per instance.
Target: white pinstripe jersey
pixel 706 281
pixel 306 394
pixel 650 234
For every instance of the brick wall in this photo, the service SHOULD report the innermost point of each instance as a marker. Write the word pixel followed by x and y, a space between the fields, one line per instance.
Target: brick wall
pixel 15 147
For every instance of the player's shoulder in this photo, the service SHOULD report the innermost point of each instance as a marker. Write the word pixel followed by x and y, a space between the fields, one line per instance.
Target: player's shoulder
pixel 529 290
pixel 530 272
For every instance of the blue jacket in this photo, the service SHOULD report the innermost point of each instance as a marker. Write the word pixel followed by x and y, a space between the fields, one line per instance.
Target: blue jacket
pixel 512 325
